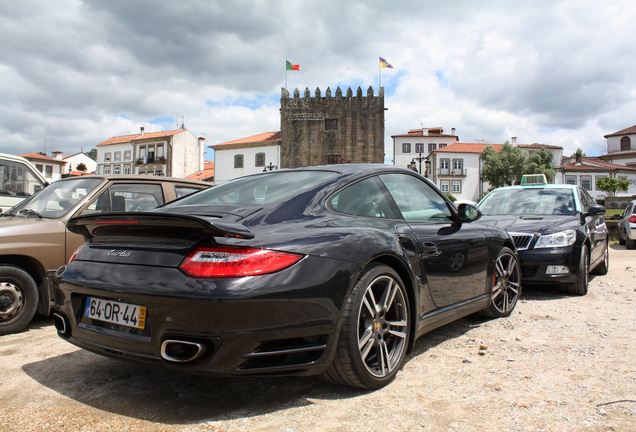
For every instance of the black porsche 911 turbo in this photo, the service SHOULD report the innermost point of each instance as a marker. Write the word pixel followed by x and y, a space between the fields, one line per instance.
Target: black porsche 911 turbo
pixel 331 270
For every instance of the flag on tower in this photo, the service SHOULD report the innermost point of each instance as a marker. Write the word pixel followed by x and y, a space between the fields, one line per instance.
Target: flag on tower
pixel 385 64
pixel 291 66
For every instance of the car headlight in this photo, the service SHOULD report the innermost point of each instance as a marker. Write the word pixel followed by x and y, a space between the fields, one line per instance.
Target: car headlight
pixel 560 239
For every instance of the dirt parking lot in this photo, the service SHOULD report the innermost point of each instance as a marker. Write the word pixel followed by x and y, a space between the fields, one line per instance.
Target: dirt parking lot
pixel 559 363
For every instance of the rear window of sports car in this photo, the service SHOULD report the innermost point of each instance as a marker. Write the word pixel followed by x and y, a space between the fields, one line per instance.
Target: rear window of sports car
pixel 259 189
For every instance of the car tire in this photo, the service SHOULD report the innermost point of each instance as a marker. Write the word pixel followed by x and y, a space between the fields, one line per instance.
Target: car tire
pixel 580 286
pixel 621 238
pixel 629 243
pixel 603 267
pixel 18 299
pixel 375 332
pixel 506 287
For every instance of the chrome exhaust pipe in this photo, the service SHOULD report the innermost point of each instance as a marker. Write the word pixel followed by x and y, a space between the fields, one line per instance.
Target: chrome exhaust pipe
pixel 180 351
pixel 59 321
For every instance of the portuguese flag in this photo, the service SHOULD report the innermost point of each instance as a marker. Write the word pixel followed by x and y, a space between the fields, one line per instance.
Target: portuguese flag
pixel 291 66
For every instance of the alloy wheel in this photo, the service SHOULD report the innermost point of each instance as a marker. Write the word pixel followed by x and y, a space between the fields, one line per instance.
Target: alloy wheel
pixel 383 326
pixel 506 283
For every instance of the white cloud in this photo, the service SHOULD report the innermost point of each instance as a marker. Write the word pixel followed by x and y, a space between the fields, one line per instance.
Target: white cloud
pixel 78 72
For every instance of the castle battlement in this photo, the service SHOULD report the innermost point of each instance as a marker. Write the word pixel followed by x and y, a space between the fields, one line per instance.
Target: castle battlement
pixel 317 130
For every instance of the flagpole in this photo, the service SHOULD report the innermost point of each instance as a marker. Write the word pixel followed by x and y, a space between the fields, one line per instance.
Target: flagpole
pixel 379 75
pixel 286 74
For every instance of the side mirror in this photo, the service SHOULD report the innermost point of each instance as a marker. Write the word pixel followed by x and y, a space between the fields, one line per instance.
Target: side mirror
pixel 468 213
pixel 595 209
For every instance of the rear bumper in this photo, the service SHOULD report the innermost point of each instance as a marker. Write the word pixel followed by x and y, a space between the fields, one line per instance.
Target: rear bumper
pixel 246 326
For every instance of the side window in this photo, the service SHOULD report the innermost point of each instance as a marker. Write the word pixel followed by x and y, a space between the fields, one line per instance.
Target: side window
pixel 181 191
pixel 128 197
pixel 585 203
pixel 416 200
pixel 364 198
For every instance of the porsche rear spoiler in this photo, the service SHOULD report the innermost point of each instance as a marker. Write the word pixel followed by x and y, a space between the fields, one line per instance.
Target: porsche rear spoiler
pixel 155 224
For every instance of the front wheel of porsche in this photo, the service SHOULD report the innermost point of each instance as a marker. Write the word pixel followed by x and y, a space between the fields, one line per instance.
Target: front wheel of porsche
pixel 506 286
pixel 375 331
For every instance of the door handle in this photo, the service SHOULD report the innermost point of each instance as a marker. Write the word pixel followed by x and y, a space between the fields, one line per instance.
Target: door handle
pixel 429 249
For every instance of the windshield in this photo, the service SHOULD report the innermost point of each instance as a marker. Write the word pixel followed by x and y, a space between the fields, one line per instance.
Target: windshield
pixel 530 201
pixel 55 200
pixel 258 189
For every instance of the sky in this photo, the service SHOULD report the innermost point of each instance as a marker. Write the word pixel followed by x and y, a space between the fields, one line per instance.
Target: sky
pixel 75 73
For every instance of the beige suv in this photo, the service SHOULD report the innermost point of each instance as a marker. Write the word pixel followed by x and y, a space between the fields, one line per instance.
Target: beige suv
pixel 34 241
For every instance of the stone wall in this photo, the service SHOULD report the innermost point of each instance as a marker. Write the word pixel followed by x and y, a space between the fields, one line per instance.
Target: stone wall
pixel 329 129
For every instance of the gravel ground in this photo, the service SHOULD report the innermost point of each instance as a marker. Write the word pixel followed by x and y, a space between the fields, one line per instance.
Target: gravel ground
pixel 559 363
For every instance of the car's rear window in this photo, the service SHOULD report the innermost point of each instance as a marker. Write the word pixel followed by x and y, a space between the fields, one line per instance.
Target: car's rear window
pixel 531 201
pixel 259 189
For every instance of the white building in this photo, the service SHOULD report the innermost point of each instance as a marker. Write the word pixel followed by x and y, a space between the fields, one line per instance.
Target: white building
pixel 417 144
pixel 621 147
pixel 456 168
pixel 175 153
pixel 250 155
pixel 585 172
pixel 73 161
pixel 51 168
pixel 528 149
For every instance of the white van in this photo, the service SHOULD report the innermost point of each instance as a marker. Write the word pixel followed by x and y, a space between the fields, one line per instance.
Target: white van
pixel 18 179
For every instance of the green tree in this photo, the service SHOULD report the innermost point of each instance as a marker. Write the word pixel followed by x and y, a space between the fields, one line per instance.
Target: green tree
pixel 540 162
pixel 502 168
pixel 579 153
pixel 611 185
pixel 508 166
pixel 92 154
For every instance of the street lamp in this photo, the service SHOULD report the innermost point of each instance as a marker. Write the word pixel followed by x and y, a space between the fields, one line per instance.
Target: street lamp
pixel 420 158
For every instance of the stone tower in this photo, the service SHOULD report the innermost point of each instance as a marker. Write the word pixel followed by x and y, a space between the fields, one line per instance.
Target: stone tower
pixel 331 129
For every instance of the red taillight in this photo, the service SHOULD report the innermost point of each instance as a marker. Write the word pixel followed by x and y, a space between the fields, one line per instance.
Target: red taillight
pixel 632 219
pixel 225 261
pixel 77 251
pixel 116 222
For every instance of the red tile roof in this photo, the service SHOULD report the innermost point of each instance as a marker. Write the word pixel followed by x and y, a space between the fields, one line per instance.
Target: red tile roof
pixel 146 135
pixel 538 146
pixel 206 174
pixel 432 132
pixel 594 164
pixel 43 158
pixel 263 137
pixel 629 130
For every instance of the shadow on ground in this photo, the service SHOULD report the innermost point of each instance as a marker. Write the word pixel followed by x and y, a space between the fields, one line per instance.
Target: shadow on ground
pixel 158 395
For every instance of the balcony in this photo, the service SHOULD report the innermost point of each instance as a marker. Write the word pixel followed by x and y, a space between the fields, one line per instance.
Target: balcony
pixel 451 172
pixel 151 160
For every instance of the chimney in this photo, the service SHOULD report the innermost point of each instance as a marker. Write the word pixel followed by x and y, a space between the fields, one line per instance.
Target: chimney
pixel 453 131
pixel 142 130
pixel 513 141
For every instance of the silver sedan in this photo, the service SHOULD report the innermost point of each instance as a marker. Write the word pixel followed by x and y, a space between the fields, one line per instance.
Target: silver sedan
pixel 627 226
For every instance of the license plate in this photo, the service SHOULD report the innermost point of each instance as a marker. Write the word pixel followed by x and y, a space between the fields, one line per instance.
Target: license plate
pixel 125 314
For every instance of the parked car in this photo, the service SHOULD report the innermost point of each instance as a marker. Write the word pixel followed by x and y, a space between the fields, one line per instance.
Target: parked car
pixel 331 270
pixel 34 241
pixel 559 232
pixel 627 226
pixel 19 179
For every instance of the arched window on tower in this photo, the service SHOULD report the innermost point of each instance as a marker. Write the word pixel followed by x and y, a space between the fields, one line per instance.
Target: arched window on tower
pixel 626 143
